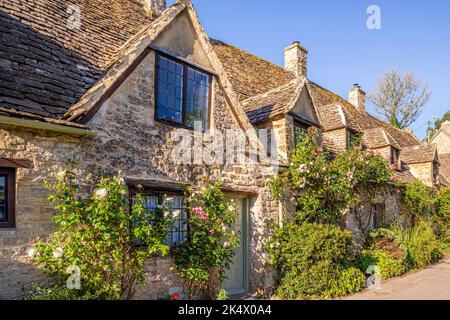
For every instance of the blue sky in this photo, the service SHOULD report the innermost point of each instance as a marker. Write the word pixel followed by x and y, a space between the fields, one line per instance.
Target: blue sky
pixel 414 36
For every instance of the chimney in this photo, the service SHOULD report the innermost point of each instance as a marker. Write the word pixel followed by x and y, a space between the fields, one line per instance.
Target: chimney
pixel 154 8
pixel 357 97
pixel 295 59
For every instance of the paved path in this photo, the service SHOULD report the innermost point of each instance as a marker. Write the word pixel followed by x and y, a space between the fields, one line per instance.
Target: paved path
pixel 432 283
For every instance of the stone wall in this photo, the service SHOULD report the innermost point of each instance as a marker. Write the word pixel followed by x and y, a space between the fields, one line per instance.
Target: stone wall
pixel 423 172
pixel 442 142
pixel 335 140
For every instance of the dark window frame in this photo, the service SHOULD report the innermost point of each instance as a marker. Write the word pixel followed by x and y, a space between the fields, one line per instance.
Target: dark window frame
pixel 10 174
pixel 303 125
pixel 160 193
pixel 352 136
pixel 186 66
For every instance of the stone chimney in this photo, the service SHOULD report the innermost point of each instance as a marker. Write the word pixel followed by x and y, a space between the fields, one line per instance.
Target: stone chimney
pixel 295 59
pixel 154 8
pixel 357 97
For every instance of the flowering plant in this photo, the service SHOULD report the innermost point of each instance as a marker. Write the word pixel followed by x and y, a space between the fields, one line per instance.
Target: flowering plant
pixel 97 235
pixel 204 259
pixel 323 185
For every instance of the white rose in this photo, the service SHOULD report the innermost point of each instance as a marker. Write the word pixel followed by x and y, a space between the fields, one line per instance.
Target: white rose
pixel 101 193
pixel 61 174
pixel 31 252
pixel 58 252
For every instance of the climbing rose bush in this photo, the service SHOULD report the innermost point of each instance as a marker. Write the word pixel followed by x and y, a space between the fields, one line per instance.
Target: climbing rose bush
pixel 203 260
pixel 322 186
pixel 96 240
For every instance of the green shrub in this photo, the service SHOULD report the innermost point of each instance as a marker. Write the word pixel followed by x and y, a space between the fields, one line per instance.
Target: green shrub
pixel 419 200
pixel 444 216
pixel 389 266
pixel 350 280
pixel 420 244
pixel 95 243
pixel 311 261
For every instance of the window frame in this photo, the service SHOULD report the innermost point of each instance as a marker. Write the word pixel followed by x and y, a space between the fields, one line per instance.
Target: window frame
pixel 185 66
pixel 351 136
pixel 298 123
pixel 160 193
pixel 10 206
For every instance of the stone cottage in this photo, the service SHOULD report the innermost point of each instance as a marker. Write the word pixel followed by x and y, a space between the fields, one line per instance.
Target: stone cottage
pixel 121 85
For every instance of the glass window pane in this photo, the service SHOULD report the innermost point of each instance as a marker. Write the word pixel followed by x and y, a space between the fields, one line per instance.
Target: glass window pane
pixel 170 88
pixel 197 98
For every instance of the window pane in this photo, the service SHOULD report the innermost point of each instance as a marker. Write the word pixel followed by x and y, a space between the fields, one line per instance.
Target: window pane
pixel 3 199
pixel 197 98
pixel 170 90
pixel 298 131
pixel 175 209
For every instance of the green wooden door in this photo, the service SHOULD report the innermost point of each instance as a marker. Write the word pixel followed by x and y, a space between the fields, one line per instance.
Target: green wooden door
pixel 237 275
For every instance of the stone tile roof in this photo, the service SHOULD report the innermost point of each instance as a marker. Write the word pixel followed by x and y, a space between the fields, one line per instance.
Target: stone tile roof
pixel 403 177
pixel 272 103
pixel 45 66
pixel 328 105
pixel 418 154
pixel 378 138
pixel 250 75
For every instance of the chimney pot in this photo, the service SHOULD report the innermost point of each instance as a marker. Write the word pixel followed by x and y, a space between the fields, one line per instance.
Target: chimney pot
pixel 295 59
pixel 357 97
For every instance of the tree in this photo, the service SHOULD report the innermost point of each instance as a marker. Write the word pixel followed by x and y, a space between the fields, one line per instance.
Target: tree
pixel 437 124
pixel 400 98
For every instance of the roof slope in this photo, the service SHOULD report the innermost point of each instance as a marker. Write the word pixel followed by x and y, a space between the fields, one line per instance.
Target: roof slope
pixel 272 103
pixel 250 75
pixel 418 154
pixel 46 66
pixel 327 104
pixel 378 138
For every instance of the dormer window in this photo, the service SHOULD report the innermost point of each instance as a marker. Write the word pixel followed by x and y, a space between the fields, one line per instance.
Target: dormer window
pixel 395 154
pixel 182 93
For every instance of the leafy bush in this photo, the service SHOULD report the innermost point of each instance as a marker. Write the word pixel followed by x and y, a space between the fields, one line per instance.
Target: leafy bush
pixel 419 200
pixel 203 260
pixel 443 217
pixel 389 266
pixel 311 260
pixel 323 187
pixel 420 244
pixel 97 237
